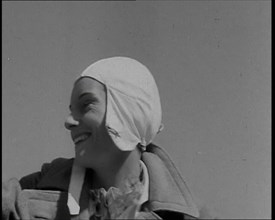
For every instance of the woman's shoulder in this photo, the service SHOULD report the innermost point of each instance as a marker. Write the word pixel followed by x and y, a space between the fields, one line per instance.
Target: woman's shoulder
pixel 57 163
pixel 54 169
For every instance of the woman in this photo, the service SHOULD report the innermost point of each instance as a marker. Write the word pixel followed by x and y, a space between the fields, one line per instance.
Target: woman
pixel 117 172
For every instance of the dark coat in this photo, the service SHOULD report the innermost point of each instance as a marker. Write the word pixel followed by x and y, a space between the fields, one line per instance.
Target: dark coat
pixel 169 197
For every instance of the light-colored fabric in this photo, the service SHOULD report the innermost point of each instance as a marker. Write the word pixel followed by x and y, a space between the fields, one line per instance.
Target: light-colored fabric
pixel 32 204
pixel 145 194
pixel 10 193
pixel 42 204
pixel 76 183
pixel 133 113
pixel 75 186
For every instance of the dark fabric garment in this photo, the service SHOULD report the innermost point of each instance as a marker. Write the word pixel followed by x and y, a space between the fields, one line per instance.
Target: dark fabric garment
pixel 167 189
pixel 53 176
pixel 169 197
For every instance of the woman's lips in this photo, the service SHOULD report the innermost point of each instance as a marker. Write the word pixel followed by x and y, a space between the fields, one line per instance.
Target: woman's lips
pixel 80 138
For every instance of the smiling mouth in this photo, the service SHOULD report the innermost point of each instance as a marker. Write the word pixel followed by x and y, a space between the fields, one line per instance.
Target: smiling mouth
pixel 81 138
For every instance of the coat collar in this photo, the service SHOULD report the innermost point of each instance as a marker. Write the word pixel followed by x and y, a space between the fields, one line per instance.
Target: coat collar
pixel 167 189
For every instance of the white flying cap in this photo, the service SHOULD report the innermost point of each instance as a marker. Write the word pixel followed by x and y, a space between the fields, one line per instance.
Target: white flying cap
pixel 133 113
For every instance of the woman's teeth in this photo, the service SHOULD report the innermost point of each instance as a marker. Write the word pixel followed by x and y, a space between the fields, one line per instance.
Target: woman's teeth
pixel 81 138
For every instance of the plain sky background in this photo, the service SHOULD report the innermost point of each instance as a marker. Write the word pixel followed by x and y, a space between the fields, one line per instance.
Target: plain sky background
pixel 211 61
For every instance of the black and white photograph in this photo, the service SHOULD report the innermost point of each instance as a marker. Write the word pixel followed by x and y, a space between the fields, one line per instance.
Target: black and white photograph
pixel 136 110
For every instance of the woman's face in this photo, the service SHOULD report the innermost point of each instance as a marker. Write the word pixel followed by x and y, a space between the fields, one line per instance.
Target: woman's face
pixel 93 145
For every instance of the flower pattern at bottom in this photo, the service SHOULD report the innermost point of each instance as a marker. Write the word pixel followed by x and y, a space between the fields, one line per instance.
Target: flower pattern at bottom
pixel 116 203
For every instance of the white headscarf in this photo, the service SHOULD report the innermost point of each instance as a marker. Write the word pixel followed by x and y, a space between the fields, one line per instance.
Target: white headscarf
pixel 133 114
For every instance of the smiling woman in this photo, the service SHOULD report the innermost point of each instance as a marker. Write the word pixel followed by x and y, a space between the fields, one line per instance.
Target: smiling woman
pixel 87 123
pixel 117 172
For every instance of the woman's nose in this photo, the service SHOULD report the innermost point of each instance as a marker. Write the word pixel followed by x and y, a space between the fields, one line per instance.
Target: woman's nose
pixel 70 122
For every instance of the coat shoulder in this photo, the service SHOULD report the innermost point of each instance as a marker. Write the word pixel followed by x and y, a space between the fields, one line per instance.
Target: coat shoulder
pixel 32 180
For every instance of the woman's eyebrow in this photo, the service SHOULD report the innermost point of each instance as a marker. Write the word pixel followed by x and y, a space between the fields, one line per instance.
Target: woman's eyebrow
pixel 86 93
pixel 82 95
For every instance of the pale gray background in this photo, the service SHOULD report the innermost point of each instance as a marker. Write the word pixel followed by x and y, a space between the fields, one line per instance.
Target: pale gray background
pixel 211 61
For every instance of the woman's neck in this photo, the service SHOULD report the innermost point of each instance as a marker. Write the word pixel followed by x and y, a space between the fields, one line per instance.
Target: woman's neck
pixel 116 171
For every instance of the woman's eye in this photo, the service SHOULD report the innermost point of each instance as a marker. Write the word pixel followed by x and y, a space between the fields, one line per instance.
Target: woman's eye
pixel 87 105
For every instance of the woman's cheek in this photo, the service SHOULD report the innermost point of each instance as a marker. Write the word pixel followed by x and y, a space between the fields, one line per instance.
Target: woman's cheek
pixel 91 121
